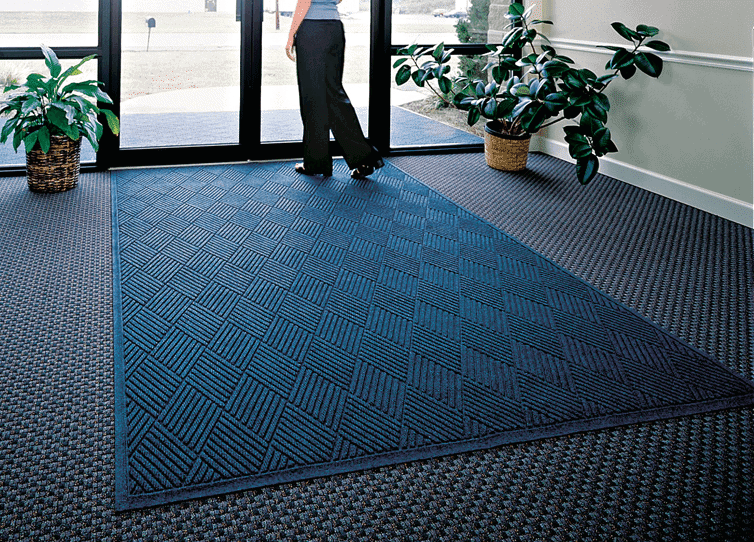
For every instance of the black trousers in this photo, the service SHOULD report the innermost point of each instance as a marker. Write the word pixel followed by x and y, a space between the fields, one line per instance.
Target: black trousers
pixel 320 45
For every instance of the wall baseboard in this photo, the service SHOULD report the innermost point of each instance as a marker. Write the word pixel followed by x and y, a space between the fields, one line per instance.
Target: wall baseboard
pixel 717 204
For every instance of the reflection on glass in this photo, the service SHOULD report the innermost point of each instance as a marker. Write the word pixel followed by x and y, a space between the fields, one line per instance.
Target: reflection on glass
pixel 419 117
pixel 56 23
pixel 180 73
pixel 449 21
pixel 15 72
pixel 281 117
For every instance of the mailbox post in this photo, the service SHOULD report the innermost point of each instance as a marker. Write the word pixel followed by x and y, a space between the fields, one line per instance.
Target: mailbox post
pixel 150 25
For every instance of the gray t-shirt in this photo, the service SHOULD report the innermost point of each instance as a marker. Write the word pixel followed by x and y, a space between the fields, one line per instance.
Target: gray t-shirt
pixel 323 10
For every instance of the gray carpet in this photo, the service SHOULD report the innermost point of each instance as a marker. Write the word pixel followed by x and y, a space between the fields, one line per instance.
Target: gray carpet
pixel 687 478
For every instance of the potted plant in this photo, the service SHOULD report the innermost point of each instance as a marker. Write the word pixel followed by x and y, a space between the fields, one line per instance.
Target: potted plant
pixel 551 90
pixel 50 118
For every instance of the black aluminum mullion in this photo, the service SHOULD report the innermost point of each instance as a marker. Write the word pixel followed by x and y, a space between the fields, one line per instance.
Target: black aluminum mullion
pixel 35 53
pixel 249 121
pixel 109 73
pixel 379 75
pixel 167 156
pixel 457 49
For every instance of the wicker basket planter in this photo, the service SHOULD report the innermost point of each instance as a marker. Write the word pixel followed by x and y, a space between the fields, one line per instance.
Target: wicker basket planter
pixel 505 152
pixel 56 171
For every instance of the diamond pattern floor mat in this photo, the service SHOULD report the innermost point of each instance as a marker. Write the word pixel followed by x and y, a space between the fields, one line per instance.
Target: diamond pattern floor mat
pixel 273 327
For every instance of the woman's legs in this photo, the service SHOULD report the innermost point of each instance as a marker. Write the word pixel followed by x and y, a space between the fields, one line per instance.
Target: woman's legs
pixel 310 71
pixel 343 120
pixel 320 47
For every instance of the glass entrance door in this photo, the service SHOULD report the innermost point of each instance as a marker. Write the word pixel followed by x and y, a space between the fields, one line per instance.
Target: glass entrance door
pixel 180 73
pixel 280 113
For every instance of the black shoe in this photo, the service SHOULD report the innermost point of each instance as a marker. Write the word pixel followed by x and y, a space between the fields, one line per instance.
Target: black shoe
pixel 299 167
pixel 362 172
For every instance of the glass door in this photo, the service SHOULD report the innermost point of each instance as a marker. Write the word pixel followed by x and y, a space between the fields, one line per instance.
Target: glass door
pixel 280 112
pixel 180 73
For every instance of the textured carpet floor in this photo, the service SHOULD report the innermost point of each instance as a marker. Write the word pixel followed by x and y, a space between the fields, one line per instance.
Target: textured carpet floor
pixel 681 479
pixel 278 327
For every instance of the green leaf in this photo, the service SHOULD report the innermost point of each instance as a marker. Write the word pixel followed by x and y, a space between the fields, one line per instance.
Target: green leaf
pixel 438 51
pixel 555 101
pixel 516 10
pixel 419 76
pixel 597 112
pixel 31 140
pixel 579 150
pixel 521 106
pixel 645 30
pixel 586 168
pixel 30 105
pixel 580 100
pixel 563 58
pixel 611 47
pixel 8 128
pixel 51 60
pixel 58 119
pixel 489 108
pixel 649 63
pixel 473 117
pixel 601 138
pixel 571 112
pixel 399 62
pixel 74 70
pixel 625 32
pixel 70 112
pixel 17 139
pixel 576 137
pixel 83 104
pixel 534 118
pixel 44 139
pixel 658 45
pixel 512 36
pixel 572 79
pixel 601 101
pixel 605 79
pixel 445 85
pixel 538 21
pixel 554 68
pixel 628 72
pixel 620 59
pixel 529 36
pixel 505 108
pixel 499 74
pixel 589 123
pixel 112 121
pixel 402 75
pixel 521 89
pixel 461 101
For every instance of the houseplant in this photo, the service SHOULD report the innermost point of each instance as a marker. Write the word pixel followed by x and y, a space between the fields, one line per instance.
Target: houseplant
pixel 50 118
pixel 551 90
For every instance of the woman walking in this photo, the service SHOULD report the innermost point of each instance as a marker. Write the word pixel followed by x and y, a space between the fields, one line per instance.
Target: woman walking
pixel 319 41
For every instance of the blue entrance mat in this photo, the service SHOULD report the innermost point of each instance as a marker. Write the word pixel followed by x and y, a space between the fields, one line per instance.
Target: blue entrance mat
pixel 272 327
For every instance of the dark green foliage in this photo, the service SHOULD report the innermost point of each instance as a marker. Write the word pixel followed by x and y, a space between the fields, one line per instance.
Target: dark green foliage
pixel 42 107
pixel 538 89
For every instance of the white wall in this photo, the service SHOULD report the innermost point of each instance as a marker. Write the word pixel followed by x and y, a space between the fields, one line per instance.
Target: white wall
pixel 687 135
